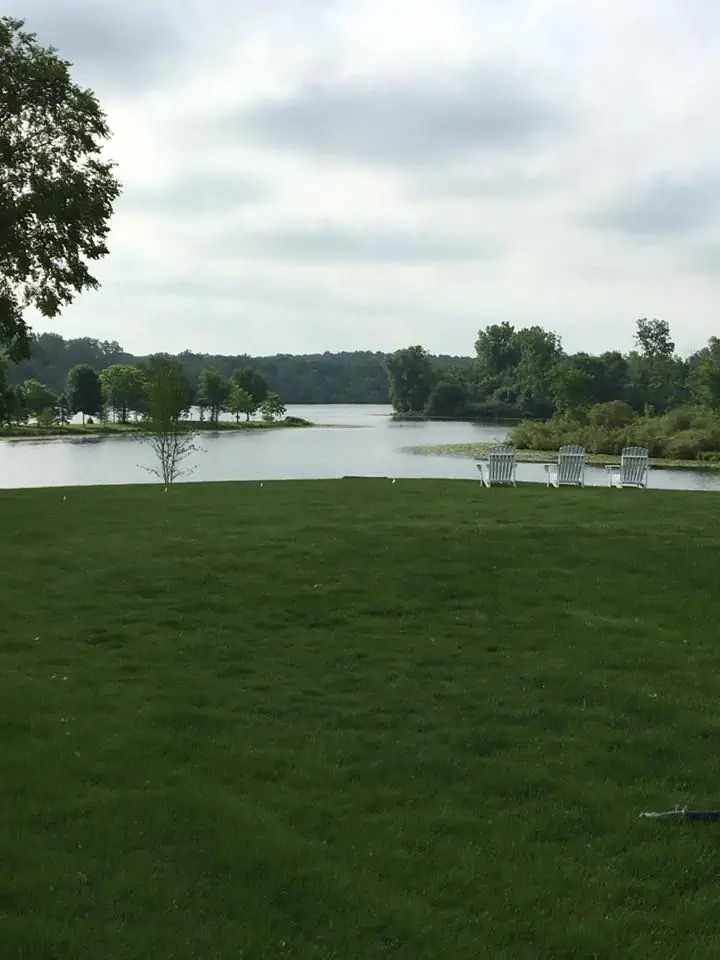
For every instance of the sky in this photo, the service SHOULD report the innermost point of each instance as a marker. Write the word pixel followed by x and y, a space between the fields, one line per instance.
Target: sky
pixel 310 175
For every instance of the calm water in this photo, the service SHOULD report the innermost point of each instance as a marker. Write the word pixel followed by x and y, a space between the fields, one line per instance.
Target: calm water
pixel 358 440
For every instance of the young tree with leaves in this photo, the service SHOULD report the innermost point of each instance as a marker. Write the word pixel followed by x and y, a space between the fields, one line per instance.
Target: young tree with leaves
pixel 123 389
pixel 56 191
pixel 212 392
pixel 253 382
pixel 239 401
pixel 38 398
pixel 168 431
pixel 272 408
pixel 84 390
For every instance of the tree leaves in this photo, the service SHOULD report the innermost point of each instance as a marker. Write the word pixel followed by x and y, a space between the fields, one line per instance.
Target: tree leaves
pixel 56 190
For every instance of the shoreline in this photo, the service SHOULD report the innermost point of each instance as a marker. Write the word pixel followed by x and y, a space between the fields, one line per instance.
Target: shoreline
pixel 98 430
pixel 472 451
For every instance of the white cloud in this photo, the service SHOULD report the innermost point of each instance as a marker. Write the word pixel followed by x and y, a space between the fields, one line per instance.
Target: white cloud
pixel 321 175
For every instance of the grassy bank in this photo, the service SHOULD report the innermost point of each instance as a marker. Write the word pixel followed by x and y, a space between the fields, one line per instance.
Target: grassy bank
pixel 34 432
pixel 357 719
pixel 470 451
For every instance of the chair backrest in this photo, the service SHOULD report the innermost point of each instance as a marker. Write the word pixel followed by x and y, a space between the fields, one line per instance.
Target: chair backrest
pixel 501 464
pixel 571 464
pixel 634 467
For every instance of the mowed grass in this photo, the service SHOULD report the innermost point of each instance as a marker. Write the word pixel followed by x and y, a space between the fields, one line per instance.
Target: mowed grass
pixel 357 719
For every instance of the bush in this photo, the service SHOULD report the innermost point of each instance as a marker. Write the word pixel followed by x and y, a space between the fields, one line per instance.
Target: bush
pixel 683 418
pixel 688 445
pixel 661 436
pixel 448 400
pixel 602 440
pixel 614 415
pixel 537 435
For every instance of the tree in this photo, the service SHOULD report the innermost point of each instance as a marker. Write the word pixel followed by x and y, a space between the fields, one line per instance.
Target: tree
pixel 56 193
pixel 17 411
pixel 239 401
pixel 168 430
pixel 411 377
pixel 38 398
pixel 63 409
pixel 448 399
pixel 6 395
pixel 653 339
pixel 540 350
pixel 83 390
pixel 123 388
pixel 571 386
pixel 272 407
pixel 47 418
pixel 212 391
pixel 253 382
pixel 655 375
pixel 613 376
pixel 705 377
pixel 496 351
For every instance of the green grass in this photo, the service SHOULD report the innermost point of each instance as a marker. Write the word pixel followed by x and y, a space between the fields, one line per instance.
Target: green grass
pixel 357 719
pixel 33 431
pixel 468 451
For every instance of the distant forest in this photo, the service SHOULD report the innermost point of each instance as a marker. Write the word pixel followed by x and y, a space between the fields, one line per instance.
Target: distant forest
pixel 357 377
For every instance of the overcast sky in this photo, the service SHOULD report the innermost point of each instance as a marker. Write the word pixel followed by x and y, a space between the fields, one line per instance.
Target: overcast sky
pixel 309 175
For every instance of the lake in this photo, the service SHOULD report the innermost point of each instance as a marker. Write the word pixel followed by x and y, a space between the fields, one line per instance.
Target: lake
pixel 355 440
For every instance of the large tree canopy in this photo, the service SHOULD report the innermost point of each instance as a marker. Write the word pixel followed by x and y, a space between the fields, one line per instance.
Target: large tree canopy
pixel 56 191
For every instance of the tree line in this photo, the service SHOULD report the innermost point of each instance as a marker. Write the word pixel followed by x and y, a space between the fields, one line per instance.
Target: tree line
pixel 525 374
pixel 123 391
pixel 348 377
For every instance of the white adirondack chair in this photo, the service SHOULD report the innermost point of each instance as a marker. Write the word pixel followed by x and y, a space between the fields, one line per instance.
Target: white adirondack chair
pixel 569 471
pixel 500 467
pixel 634 469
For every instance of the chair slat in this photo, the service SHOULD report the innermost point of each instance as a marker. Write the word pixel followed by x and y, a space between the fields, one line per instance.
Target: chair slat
pixel 501 466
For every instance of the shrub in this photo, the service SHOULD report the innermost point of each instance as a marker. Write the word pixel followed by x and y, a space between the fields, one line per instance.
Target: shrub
pixel 665 437
pixel 683 418
pixel 537 435
pixel 597 439
pixel 614 415
pixel 447 400
pixel 688 445
pixel 647 432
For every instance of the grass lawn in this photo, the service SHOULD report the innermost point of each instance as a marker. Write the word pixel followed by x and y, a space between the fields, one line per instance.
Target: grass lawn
pixel 356 719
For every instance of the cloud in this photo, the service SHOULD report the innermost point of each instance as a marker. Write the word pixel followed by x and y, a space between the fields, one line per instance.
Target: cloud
pixel 319 175
pixel 202 193
pixel 113 45
pixel 665 207
pixel 410 122
pixel 331 244
pixel 497 185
